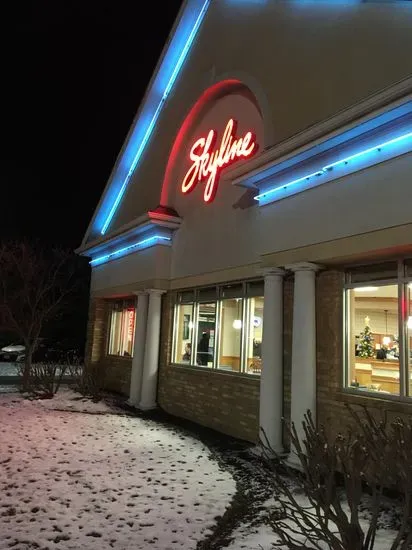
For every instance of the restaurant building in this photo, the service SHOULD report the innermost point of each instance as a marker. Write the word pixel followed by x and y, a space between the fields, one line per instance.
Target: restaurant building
pixel 252 251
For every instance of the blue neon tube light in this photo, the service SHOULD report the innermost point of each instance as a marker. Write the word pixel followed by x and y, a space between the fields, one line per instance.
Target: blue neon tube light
pixel 122 251
pixel 182 54
pixel 366 151
pixel 329 167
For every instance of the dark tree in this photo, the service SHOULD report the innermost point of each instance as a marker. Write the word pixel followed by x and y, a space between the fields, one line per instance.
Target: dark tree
pixel 37 284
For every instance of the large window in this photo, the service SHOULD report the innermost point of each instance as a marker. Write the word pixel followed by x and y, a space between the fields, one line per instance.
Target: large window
pixel 378 321
pixel 121 328
pixel 220 328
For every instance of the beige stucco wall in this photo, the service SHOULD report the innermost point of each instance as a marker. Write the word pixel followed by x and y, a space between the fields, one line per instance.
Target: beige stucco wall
pixel 304 62
pixel 198 245
pixel 217 236
pixel 365 201
pixel 148 268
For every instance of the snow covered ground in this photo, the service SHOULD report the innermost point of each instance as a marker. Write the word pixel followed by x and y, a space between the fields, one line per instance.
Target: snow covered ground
pixel 8 369
pixel 259 535
pixel 102 479
pixel 81 475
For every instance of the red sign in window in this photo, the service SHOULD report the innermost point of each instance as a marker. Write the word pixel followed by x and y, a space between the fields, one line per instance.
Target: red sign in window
pixel 130 323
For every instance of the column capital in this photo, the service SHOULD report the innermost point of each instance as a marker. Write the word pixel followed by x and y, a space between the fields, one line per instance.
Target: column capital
pixel 303 266
pixel 268 271
pixel 139 292
pixel 155 291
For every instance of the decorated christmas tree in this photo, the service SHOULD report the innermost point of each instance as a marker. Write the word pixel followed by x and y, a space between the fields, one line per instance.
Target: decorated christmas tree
pixel 365 345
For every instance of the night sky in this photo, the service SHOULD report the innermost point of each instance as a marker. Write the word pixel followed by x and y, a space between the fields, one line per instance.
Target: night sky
pixel 74 74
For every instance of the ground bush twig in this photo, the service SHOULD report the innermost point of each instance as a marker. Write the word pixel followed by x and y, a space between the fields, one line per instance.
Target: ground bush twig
pixel 335 472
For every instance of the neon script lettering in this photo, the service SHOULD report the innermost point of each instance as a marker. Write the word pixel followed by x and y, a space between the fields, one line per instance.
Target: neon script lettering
pixel 208 162
pixel 131 315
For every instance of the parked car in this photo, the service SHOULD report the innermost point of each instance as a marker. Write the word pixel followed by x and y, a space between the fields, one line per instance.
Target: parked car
pixel 12 352
pixel 47 351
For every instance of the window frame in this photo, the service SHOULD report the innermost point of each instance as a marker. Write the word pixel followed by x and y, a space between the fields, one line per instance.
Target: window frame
pixel 402 279
pixel 247 291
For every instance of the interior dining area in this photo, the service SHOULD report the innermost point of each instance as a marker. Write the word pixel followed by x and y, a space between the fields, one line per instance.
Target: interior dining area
pixel 378 328
pixel 241 320
pixel 224 334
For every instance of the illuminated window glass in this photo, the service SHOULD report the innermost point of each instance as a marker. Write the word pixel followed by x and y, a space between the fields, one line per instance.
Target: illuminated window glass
pixel 254 335
pixel 378 321
pixel 373 339
pixel 122 328
pixel 220 328
pixel 206 334
pixel 184 333
pixel 230 332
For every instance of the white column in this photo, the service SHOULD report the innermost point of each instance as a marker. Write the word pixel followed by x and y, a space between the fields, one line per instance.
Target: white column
pixel 303 389
pixel 271 381
pixel 151 355
pixel 138 348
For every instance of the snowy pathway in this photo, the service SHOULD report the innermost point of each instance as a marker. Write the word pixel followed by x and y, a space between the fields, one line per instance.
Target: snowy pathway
pixel 103 480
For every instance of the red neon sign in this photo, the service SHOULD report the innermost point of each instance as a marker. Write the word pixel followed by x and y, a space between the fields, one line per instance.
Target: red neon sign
pixel 130 327
pixel 207 163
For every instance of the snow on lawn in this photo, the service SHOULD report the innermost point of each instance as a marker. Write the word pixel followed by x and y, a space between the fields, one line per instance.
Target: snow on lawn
pixel 258 535
pixel 71 480
pixel 255 534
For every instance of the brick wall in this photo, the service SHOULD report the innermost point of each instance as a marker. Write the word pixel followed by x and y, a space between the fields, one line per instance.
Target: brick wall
pixel 96 330
pixel 224 402
pixel 329 345
pixel 218 400
pixel 117 373
pixel 230 403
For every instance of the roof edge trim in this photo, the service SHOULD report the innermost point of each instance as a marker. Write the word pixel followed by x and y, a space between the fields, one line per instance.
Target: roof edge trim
pixel 166 73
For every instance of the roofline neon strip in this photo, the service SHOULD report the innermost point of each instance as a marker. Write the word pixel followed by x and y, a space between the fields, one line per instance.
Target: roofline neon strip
pixel 156 114
pixel 107 257
pixel 331 166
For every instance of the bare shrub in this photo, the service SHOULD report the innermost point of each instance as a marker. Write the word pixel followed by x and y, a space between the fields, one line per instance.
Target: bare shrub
pixel 337 473
pixel 44 379
pixel 88 381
